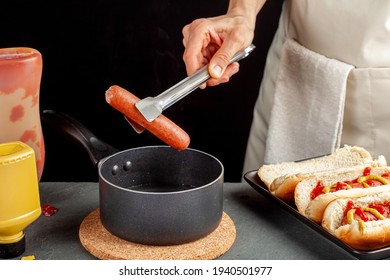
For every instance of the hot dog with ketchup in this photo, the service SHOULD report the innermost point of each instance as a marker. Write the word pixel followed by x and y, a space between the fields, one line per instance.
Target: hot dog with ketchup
pixel 282 178
pixel 161 127
pixel 363 223
pixel 313 194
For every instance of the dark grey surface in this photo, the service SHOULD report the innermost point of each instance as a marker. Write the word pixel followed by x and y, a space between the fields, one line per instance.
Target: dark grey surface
pixel 264 231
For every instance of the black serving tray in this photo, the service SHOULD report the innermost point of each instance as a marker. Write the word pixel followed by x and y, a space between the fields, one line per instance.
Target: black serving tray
pixel 254 181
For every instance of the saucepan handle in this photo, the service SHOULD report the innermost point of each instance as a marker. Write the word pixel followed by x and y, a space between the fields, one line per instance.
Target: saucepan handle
pixel 78 133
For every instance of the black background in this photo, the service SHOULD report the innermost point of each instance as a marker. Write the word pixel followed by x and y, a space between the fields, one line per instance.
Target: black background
pixel 87 46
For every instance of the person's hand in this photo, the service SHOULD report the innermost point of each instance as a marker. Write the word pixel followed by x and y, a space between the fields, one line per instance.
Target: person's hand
pixel 215 40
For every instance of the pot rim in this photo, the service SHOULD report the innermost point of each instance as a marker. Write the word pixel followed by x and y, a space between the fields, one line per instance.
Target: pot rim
pixel 101 177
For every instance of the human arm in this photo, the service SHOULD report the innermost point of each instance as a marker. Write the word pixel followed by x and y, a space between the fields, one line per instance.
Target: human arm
pixel 215 40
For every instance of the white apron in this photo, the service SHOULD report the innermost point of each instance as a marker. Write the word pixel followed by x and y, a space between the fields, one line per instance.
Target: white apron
pixel 355 33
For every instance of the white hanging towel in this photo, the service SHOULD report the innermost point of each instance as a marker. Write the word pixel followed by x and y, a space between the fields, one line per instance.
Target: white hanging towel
pixel 307 115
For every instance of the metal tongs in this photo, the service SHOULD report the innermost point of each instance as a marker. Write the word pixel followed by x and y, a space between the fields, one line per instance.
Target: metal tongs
pixel 152 107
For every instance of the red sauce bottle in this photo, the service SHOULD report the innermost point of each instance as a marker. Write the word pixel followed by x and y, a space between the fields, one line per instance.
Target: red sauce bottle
pixel 20 78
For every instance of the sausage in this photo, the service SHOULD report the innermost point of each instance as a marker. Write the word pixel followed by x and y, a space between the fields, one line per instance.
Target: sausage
pixel 162 127
pixel 361 222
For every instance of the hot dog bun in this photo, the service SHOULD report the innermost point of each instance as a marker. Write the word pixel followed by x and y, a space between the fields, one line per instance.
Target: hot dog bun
pixel 161 127
pixel 282 178
pixel 362 236
pixel 314 208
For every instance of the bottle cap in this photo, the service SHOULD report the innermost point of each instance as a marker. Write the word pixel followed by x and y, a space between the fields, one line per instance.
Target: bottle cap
pixel 12 250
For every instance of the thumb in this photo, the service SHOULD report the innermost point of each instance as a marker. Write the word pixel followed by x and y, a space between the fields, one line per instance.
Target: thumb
pixel 219 62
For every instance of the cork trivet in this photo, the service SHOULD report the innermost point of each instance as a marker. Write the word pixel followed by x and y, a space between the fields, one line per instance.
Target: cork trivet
pixel 106 246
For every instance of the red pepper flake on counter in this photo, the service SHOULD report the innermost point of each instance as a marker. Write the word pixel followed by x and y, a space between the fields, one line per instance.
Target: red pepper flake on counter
pixel 48 210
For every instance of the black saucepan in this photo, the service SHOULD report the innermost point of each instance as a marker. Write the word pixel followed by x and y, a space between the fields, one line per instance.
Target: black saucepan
pixel 152 195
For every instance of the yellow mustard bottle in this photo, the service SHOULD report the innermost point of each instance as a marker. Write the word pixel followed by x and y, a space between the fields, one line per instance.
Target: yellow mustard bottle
pixel 19 196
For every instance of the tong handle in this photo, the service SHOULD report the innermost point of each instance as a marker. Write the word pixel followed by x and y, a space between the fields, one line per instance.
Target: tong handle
pixel 189 84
